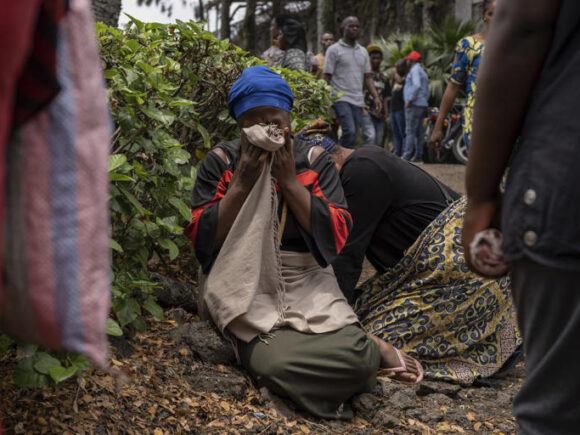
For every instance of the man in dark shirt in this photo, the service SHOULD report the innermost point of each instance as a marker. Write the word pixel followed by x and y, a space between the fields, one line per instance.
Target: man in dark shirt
pixel 528 86
pixel 391 201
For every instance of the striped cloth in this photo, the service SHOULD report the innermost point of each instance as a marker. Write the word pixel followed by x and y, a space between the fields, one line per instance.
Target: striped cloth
pixel 56 269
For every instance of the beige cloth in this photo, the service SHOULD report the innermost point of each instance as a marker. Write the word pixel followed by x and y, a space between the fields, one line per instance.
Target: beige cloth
pixel 252 288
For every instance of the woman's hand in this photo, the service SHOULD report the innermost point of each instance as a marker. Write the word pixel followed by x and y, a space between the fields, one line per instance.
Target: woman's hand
pixel 250 166
pixel 283 165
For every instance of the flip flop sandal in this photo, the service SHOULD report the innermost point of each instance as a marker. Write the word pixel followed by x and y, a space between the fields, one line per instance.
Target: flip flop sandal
pixel 391 372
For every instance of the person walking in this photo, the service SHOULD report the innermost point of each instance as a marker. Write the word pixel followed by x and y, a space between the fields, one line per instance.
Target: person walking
pixel 398 106
pixel 468 55
pixel 347 69
pixel 416 97
pixel 528 89
pixel 374 122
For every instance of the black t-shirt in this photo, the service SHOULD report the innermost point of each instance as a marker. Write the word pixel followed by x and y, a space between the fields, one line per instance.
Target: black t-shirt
pixel 391 202
pixel 397 101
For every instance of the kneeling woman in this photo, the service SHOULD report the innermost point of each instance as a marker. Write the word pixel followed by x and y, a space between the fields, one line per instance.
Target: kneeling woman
pixel 424 299
pixel 268 284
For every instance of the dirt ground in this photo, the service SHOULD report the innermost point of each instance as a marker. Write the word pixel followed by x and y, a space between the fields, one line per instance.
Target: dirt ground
pixel 181 377
pixel 452 175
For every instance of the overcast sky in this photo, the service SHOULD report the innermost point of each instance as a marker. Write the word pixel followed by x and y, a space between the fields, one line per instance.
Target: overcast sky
pixel 153 13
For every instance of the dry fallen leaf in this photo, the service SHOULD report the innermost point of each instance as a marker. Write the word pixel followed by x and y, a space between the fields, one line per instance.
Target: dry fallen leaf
pixel 304 429
pixel 470 416
pixel 477 426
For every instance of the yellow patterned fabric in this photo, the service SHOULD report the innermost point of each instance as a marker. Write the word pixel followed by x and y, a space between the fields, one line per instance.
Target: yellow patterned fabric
pixel 468 55
pixel 460 326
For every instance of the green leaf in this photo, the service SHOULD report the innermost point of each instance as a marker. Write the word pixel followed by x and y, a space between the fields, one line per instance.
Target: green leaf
pixel 181 207
pixel 171 247
pixel 81 362
pixel 205 135
pixel 180 102
pixel 61 374
pixel 44 362
pixel 115 246
pixel 134 201
pixel 5 343
pixel 152 306
pixel 127 311
pixel 116 161
pixel 113 328
pixel 114 176
pixel 26 376
pixel 164 116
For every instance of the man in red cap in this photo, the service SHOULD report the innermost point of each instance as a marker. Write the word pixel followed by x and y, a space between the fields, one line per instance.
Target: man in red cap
pixel 416 96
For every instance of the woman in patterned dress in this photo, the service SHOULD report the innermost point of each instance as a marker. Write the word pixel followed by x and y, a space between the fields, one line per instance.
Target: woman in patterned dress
pixel 469 52
pixel 423 300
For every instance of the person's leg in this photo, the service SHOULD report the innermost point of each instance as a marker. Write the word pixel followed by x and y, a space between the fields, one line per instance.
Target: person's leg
pixel 345 118
pixel 398 127
pixel 357 114
pixel 319 372
pixel 420 133
pixel 379 130
pixel 368 129
pixel 548 306
pixel 412 121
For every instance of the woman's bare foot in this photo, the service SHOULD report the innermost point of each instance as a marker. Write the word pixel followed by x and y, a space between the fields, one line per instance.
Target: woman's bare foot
pixel 408 370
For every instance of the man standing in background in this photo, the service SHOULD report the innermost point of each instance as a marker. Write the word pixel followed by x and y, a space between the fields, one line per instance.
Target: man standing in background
pixel 416 96
pixel 346 68
pixel 374 122
pixel 326 41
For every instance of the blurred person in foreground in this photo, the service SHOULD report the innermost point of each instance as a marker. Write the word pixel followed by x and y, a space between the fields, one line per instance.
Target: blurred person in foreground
pixel 528 90
pixel 373 121
pixel 468 55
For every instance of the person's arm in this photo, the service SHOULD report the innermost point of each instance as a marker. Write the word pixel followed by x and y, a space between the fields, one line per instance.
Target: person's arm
pixel 217 198
pixel 518 42
pixel 370 85
pixel 329 64
pixel 368 194
pixel 446 104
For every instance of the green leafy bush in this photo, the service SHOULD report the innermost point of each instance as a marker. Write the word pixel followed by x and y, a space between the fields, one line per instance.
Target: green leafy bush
pixel 168 87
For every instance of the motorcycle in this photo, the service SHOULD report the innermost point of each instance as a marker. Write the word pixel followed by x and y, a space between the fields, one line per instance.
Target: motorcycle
pixel 453 143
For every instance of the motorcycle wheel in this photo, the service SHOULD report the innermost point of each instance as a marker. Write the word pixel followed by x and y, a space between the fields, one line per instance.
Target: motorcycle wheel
pixel 460 150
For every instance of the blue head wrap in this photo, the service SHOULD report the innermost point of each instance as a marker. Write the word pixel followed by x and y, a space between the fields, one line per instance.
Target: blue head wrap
pixel 259 86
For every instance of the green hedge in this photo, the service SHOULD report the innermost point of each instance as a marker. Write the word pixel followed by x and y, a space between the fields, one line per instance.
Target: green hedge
pixel 168 88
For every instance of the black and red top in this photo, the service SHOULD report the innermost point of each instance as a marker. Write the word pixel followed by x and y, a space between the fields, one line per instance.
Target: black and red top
pixel 331 222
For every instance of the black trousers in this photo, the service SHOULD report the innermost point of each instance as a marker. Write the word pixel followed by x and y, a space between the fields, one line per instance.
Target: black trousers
pixel 548 306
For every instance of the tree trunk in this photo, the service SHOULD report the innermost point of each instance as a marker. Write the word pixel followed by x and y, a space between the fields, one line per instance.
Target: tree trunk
pixel 375 14
pixel 225 19
pixel 277 8
pixel 426 16
pixel 328 21
pixel 107 11
pixel 250 26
